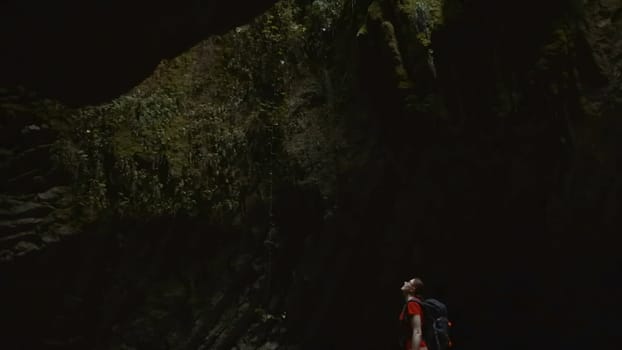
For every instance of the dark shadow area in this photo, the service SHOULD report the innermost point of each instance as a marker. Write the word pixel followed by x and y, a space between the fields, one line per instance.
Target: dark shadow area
pixel 87 52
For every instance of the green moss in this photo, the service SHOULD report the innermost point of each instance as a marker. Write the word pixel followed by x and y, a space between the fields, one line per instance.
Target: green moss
pixel 433 7
pixel 420 17
pixel 362 31
pixel 206 126
pixel 557 48
pixel 125 145
pixel 400 73
pixel 383 32
pixel 374 12
pixel 178 144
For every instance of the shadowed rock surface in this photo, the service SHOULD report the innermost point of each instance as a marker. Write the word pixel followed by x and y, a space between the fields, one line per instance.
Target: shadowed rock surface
pixel 476 144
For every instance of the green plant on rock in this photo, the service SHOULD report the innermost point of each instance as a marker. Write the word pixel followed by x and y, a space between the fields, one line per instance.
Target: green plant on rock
pixel 205 130
pixel 423 15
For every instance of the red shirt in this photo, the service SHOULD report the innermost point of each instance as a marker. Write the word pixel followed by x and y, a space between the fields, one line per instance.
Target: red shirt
pixel 414 309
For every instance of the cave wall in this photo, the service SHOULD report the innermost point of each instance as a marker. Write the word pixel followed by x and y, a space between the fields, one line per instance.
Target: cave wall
pixel 490 186
pixel 481 152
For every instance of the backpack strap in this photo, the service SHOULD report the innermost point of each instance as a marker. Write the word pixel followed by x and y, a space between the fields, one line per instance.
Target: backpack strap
pixel 416 300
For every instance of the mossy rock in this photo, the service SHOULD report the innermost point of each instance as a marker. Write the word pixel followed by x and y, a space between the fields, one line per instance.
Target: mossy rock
pixel 382 33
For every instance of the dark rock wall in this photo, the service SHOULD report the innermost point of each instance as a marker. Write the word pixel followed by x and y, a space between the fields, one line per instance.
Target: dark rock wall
pixel 498 186
pixel 481 152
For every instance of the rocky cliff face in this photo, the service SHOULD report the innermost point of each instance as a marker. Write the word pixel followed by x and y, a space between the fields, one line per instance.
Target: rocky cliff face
pixel 473 143
pixel 35 199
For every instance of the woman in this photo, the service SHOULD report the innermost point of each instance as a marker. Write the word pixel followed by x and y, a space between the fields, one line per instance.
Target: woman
pixel 412 316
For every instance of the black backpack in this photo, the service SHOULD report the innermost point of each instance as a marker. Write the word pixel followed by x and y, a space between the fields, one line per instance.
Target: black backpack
pixel 435 324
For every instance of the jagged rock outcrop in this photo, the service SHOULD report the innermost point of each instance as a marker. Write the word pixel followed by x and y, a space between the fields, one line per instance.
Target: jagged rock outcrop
pixel 36 203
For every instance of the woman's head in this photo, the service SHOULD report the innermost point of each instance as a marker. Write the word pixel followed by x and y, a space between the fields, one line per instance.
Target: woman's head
pixel 412 287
